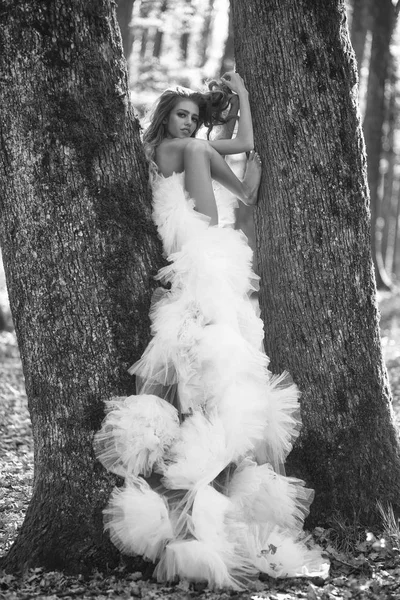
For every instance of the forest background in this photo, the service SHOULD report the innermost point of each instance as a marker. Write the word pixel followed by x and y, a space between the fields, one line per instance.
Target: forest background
pixel 190 42
pixel 161 49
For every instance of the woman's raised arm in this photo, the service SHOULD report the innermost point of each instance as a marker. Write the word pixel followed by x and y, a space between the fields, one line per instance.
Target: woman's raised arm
pixel 244 140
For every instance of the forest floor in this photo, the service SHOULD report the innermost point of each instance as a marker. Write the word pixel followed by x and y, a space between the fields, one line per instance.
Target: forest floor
pixel 364 564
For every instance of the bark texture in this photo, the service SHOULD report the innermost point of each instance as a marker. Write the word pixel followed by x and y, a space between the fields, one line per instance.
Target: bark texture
pixel 79 252
pixel 317 295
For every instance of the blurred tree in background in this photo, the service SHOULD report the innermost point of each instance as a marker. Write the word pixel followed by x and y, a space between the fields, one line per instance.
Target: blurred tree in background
pixel 375 38
pixel 124 15
pixel 174 42
pixel 360 15
pixel 382 20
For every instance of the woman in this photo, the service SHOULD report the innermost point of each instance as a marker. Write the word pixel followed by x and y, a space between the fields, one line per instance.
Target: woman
pixel 178 151
pixel 202 445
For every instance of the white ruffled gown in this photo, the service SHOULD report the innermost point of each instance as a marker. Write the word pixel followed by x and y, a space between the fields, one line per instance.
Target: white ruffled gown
pixel 209 419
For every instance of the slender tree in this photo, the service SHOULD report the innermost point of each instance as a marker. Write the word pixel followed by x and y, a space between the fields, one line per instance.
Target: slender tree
pixel 228 58
pixel 384 16
pixel 206 32
pixel 3 322
pixel 124 16
pixel 185 23
pixel 392 231
pixel 396 244
pixel 360 23
pixel 317 289
pixel 79 251
pixel 385 220
pixel 158 38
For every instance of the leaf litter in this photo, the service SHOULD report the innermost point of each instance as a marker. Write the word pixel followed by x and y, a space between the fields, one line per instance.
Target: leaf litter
pixel 364 564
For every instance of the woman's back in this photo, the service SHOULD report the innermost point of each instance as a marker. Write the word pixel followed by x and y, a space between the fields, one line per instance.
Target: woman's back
pixel 169 156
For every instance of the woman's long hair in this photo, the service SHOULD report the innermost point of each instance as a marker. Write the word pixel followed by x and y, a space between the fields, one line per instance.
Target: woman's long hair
pixel 212 105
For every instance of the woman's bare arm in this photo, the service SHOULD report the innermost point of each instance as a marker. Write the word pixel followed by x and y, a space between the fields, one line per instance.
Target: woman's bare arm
pixel 244 140
pixel 225 131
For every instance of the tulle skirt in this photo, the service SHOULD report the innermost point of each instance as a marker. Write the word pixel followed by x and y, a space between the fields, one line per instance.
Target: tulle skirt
pixel 209 420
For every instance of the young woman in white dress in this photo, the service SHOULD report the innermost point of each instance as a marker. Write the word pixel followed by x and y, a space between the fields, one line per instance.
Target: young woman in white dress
pixel 201 447
pixel 177 119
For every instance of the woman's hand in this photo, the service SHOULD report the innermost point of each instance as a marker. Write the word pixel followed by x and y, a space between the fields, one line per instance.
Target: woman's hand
pixel 244 140
pixel 234 82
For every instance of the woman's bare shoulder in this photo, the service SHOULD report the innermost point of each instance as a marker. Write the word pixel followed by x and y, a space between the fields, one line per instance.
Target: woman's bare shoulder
pixel 169 154
pixel 179 143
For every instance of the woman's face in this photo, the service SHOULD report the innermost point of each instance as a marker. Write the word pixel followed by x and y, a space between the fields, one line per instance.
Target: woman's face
pixel 183 119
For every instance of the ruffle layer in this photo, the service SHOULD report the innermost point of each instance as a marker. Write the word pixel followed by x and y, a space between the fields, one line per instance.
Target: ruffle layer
pixel 136 434
pixel 224 510
pixel 137 520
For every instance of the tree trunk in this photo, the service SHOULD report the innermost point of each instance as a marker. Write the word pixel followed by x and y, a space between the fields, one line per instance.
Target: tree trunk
pixel 392 229
pixel 386 208
pixel 79 252
pixel 184 44
pixel 396 244
pixel 383 15
pixel 124 16
pixel 228 58
pixel 158 38
pixel 205 33
pixel 391 189
pixel 359 28
pixel 390 156
pixel 3 322
pixel 317 293
pixel 143 44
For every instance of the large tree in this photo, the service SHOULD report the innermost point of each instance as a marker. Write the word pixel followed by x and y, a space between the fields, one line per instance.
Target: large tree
pixel 317 295
pixel 79 251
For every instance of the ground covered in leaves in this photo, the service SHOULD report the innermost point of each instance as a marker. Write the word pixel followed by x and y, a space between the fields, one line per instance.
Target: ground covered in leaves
pixel 369 567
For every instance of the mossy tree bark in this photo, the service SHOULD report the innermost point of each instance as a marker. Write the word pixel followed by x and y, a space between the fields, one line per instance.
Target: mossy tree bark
pixel 317 295
pixel 79 252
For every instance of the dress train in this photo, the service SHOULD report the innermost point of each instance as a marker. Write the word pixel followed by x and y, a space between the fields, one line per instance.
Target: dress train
pixel 209 419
